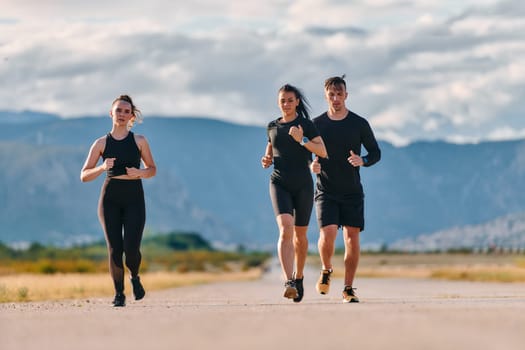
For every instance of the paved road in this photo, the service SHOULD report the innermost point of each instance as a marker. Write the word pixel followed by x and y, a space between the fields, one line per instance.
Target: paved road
pixel 394 314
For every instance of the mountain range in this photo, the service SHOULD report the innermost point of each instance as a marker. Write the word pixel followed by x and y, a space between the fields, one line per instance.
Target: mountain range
pixel 210 180
pixel 505 233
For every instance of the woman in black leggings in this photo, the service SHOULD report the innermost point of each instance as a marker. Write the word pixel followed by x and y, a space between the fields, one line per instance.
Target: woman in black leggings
pixel 121 208
pixel 292 138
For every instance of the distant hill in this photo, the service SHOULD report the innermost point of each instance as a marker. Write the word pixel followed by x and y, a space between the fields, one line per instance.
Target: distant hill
pixel 210 181
pixel 9 117
pixel 504 233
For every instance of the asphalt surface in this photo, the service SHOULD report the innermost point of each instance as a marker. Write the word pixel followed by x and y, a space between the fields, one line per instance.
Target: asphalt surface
pixel 393 314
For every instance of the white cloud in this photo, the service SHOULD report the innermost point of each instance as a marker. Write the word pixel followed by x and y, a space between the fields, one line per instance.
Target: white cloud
pixel 379 89
pixel 393 137
pixel 506 133
pixel 394 118
pixel 431 69
pixel 430 124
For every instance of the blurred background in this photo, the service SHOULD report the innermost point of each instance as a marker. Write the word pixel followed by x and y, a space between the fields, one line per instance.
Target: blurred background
pixel 441 83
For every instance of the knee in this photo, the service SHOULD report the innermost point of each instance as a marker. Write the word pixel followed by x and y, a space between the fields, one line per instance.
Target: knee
pixel 285 236
pixel 352 246
pixel 132 249
pixel 116 258
pixel 286 232
pixel 327 237
pixel 133 259
pixel 300 240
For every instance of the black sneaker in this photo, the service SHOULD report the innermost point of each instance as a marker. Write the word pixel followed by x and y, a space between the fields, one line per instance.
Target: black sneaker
pixel 323 284
pixel 300 289
pixel 349 295
pixel 138 289
pixel 290 290
pixel 120 300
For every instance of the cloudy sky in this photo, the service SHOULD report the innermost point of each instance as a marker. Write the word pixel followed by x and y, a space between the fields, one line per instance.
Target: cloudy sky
pixel 425 69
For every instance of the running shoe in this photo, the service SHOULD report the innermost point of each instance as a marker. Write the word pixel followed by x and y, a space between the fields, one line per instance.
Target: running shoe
pixel 323 284
pixel 120 300
pixel 290 290
pixel 300 289
pixel 138 289
pixel 349 295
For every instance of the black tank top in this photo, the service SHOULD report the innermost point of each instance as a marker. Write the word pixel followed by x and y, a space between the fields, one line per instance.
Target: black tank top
pixel 125 152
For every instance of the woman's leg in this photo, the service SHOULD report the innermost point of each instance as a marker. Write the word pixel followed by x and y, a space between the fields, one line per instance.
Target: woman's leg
pixel 134 221
pixel 109 214
pixel 300 242
pixel 285 245
pixel 303 201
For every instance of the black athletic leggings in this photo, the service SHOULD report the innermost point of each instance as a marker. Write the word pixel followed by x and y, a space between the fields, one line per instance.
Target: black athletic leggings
pixel 122 214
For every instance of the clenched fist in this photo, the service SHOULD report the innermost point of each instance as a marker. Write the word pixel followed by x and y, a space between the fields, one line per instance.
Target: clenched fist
pixel 266 161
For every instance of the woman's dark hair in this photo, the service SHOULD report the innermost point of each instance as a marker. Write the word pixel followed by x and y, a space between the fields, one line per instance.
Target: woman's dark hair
pixel 134 110
pixel 303 109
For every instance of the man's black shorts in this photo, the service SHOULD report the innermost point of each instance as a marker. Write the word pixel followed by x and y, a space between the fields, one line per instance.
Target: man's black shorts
pixel 340 210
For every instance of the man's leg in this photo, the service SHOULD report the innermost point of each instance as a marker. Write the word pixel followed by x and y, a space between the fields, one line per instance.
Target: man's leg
pixel 326 245
pixel 352 252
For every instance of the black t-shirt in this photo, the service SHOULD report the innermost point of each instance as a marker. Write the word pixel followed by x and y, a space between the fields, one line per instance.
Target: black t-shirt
pixel 290 159
pixel 338 176
pixel 125 151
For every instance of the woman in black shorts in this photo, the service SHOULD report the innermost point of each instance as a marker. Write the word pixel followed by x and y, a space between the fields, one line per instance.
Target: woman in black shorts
pixel 121 208
pixel 292 138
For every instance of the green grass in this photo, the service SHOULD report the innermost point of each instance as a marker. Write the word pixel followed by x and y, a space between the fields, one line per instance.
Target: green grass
pixel 175 251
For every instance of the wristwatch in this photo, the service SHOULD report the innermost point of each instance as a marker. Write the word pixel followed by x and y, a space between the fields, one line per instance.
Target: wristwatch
pixel 304 141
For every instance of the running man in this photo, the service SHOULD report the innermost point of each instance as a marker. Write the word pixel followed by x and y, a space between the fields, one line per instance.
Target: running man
pixel 339 194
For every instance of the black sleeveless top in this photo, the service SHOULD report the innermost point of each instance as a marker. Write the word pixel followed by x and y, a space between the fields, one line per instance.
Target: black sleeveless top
pixel 126 154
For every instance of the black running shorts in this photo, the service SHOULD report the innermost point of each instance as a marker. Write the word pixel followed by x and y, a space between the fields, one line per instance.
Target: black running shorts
pixel 340 210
